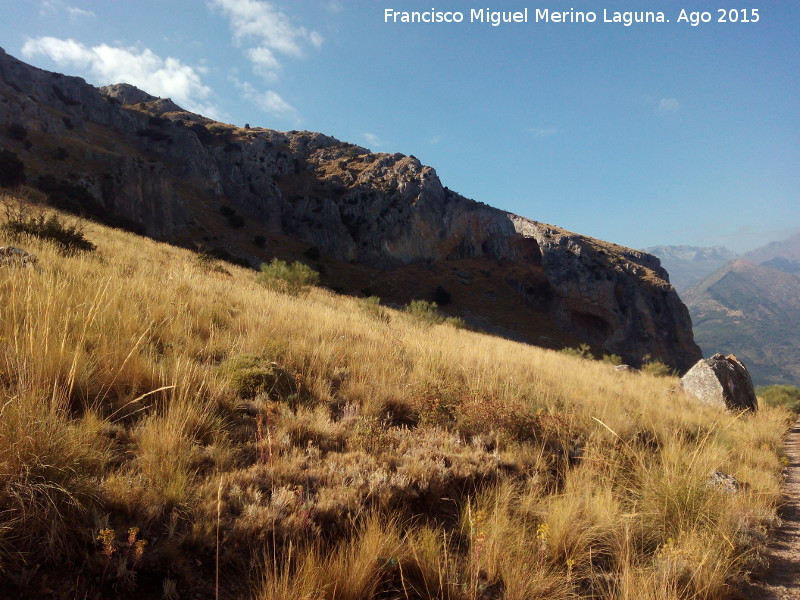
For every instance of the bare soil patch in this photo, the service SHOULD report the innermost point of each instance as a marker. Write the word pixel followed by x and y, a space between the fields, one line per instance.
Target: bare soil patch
pixel 782 580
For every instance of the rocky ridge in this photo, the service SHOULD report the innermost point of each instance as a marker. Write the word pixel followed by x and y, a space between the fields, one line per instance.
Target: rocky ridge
pixel 381 219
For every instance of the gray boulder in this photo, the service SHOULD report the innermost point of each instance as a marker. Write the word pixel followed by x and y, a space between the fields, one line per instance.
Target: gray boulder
pixel 16 257
pixel 721 381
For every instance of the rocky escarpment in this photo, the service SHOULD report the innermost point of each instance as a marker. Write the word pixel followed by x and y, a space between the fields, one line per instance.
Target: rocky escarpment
pixel 382 218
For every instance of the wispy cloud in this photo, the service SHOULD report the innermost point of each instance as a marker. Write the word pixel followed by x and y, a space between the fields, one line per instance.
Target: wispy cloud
pixel 543 133
pixel 668 105
pixel 165 77
pixel 78 13
pixel 373 140
pixel 49 7
pixel 265 32
pixel 334 6
pixel 268 101
pixel 435 139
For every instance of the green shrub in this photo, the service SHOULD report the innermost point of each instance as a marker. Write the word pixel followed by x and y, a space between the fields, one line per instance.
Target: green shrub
pixel 456 322
pixel 612 359
pixel 424 311
pixel 69 237
pixel 656 368
pixel 372 306
pixel 582 351
pixel 251 375
pixel 428 313
pixel 12 169
pixel 290 278
pixel 787 396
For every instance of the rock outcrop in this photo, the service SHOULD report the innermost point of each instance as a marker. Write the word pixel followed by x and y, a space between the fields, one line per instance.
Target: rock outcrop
pixel 170 172
pixel 721 381
pixel 11 256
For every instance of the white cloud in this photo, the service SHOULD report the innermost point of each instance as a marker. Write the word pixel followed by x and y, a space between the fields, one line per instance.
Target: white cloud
pixel 267 31
pixel 49 7
pixel 264 61
pixel 272 103
pixel 373 140
pixel 668 105
pixel 165 77
pixel 269 101
pixel 435 139
pixel 79 13
pixel 542 133
pixel 334 6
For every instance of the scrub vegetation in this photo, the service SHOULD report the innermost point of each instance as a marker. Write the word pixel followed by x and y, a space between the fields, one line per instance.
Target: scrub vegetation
pixel 174 428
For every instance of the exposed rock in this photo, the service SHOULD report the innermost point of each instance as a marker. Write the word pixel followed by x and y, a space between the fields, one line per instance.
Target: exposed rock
pixel 723 482
pixel 721 381
pixel 626 368
pixel 126 93
pixel 10 256
pixel 167 170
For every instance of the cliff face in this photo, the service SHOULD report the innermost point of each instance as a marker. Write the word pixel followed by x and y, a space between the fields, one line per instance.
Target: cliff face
pixel 380 219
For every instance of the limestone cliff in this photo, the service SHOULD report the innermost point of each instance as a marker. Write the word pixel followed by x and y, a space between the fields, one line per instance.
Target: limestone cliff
pixel 378 221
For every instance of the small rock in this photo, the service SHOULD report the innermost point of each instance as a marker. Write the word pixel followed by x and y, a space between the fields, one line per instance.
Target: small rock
pixel 722 381
pixel 12 256
pixel 624 368
pixel 723 482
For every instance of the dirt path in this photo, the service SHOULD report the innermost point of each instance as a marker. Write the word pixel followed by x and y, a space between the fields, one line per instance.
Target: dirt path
pixel 782 580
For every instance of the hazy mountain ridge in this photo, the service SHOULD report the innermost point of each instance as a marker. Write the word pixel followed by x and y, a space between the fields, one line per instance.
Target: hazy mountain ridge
pixel 753 311
pixel 783 255
pixel 382 222
pixel 688 265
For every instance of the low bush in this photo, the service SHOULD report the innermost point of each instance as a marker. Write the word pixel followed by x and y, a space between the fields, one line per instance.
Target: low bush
pixel 69 237
pixel 582 351
pixel 372 306
pixel 251 375
pixel 424 311
pixel 657 368
pixel 428 313
pixel 787 396
pixel 290 278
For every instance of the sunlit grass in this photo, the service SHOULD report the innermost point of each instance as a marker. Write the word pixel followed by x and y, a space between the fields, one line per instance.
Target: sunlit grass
pixel 346 452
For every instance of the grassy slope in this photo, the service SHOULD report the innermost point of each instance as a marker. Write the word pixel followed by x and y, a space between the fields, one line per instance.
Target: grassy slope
pixel 319 446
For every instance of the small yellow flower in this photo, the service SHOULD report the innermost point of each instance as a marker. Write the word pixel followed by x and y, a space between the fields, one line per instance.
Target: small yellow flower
pixel 106 538
pixel 542 532
pixel 132 533
pixel 139 549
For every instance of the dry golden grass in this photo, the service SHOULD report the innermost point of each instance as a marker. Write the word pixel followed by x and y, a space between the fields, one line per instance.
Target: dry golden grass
pixel 346 452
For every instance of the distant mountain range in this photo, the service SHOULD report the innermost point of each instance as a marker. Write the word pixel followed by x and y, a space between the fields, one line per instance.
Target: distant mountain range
pixel 749 306
pixel 688 265
pixel 783 255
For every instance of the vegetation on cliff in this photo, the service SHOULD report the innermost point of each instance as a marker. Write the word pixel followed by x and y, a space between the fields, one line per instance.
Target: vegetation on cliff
pixel 168 424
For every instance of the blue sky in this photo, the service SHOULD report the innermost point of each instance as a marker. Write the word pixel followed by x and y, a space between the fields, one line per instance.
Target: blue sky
pixel 657 133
